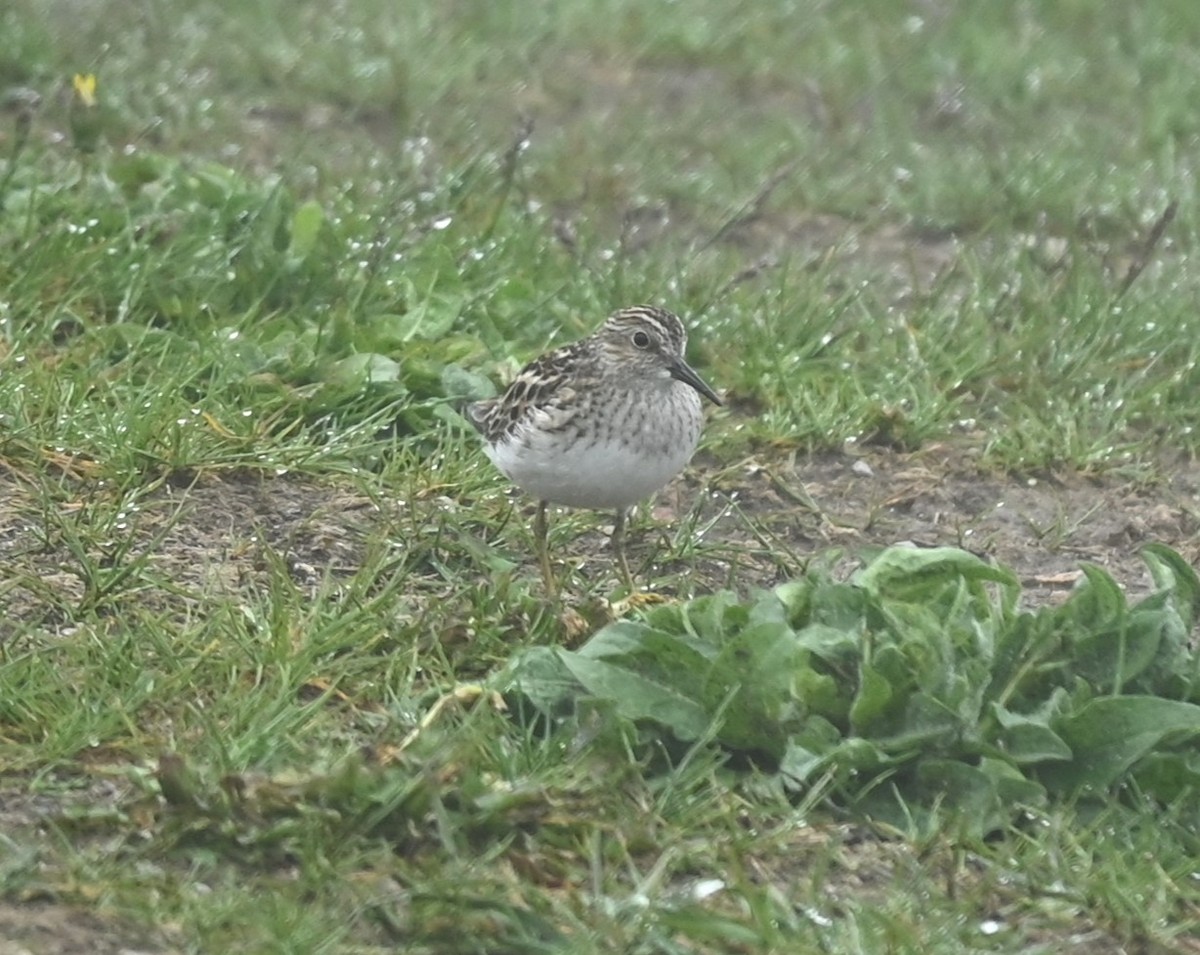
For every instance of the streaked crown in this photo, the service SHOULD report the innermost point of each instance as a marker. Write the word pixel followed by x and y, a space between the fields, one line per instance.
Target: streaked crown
pixel 642 328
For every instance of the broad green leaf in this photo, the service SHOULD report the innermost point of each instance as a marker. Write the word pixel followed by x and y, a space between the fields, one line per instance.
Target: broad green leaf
pixel 830 643
pixel 809 749
pixel 841 607
pixel 872 701
pixel 924 724
pixel 800 764
pixel 1011 784
pixel 976 799
pixel 1174 574
pixel 1095 604
pixel 965 789
pixel 665 677
pixel 796 597
pixel 667 616
pixel 1175 671
pixel 638 697
pixel 1111 658
pixel 860 757
pixel 1027 739
pixel 819 693
pixel 894 665
pixel 755 666
pixel 953 700
pixel 651 650
pixel 916 574
pixel 766 608
pixel 1027 659
pixel 618 639
pixel 1109 735
pixel 459 382
pixel 1167 776
pixel 711 619
pixel 540 675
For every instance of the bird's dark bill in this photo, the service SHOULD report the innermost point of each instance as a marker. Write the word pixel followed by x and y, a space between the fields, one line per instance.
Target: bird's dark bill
pixel 682 371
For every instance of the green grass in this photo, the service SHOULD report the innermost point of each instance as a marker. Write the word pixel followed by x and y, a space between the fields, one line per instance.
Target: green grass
pixel 247 544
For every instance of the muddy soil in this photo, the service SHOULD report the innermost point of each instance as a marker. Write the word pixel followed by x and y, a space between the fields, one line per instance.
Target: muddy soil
pixel 764 520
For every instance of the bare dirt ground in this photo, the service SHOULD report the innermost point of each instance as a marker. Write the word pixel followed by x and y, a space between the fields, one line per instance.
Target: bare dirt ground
pixel 774 514
pixel 47 928
pixel 1041 528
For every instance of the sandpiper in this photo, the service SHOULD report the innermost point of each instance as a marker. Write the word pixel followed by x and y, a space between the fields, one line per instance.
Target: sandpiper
pixel 601 423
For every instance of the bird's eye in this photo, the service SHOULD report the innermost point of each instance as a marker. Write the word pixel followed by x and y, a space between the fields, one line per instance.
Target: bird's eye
pixel 641 340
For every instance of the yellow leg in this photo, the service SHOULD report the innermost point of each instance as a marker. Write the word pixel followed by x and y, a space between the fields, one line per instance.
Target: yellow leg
pixel 541 539
pixel 618 543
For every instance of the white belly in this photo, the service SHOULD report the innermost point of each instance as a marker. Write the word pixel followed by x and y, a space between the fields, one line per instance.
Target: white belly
pixel 605 471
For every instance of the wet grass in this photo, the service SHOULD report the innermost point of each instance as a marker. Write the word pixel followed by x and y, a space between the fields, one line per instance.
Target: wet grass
pixel 286 241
